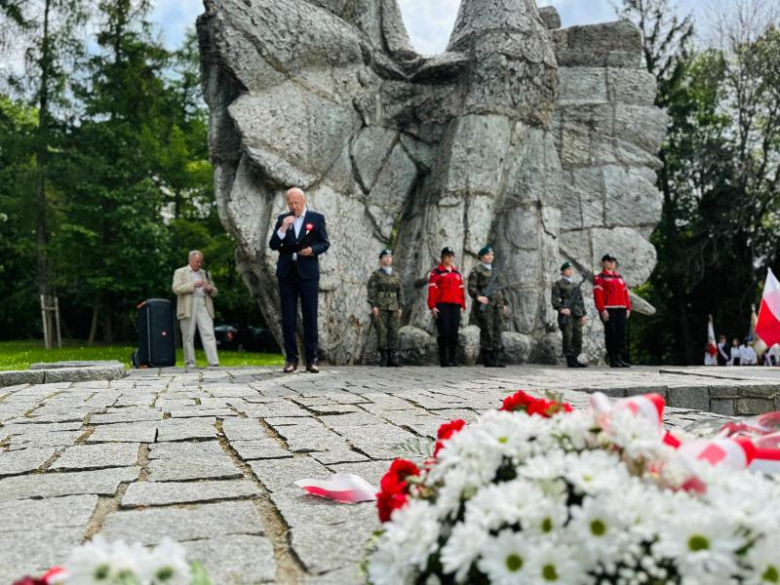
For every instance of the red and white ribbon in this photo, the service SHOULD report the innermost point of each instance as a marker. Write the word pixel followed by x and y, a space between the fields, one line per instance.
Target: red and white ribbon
pixel 342 487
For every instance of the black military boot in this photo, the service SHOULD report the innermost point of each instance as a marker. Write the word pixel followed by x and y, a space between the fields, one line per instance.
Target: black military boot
pixel 487 359
pixel 571 362
pixel 442 353
pixel 393 360
pixel 613 361
pixel 382 358
pixel 622 363
pixel 496 357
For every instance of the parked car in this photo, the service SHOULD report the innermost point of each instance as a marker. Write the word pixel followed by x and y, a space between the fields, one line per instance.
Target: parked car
pixel 245 338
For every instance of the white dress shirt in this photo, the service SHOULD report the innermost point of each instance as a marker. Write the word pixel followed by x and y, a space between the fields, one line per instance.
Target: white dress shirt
pixel 197 277
pixel 297 225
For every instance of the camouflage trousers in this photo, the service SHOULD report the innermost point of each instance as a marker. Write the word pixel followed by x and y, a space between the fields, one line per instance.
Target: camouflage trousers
pixel 388 323
pixel 571 329
pixel 491 324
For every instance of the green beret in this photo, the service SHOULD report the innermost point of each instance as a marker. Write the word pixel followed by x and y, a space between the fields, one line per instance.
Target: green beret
pixel 485 250
pixel 384 253
pixel 565 266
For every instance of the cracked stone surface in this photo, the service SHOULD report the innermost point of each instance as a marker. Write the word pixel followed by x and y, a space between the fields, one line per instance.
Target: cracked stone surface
pixel 538 139
pixel 219 477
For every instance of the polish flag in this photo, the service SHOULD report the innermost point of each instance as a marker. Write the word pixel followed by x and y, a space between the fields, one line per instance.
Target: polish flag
pixel 767 327
pixel 712 346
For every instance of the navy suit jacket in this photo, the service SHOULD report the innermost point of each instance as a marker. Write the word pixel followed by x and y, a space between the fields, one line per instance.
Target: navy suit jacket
pixel 315 238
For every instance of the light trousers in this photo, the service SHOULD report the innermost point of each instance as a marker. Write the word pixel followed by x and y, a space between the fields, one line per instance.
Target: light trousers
pixel 201 321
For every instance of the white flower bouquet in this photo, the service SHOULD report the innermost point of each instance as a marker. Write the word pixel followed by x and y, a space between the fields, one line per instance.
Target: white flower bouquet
pixel 101 563
pixel 537 494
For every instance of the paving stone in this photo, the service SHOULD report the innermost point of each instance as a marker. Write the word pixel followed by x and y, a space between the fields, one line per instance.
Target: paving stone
pixel 188 461
pixel 31 515
pixel 264 449
pixel 279 474
pixel 126 415
pixel 201 521
pixel 24 460
pixel 44 439
pixel 140 432
pixel 35 551
pixel 197 411
pixel 185 430
pixel 98 456
pixel 243 429
pixel 150 493
pixel 235 560
pixel 104 482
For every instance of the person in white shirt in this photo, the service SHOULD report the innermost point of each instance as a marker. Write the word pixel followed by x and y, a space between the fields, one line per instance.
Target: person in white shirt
pixel 749 357
pixel 736 353
pixel 194 291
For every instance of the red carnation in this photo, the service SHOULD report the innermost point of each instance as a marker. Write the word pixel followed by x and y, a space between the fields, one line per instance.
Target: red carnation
pixel 309 227
pixel 394 489
pixel 518 401
pixel 30 581
pixel 530 405
pixel 446 431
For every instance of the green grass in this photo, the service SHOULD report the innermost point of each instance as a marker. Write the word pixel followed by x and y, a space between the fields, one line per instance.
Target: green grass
pixel 18 355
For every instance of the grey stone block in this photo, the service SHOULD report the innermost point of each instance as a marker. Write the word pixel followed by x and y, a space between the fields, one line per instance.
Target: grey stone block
pixel 690 397
pixel 724 406
pixel 25 460
pixel 754 406
pixel 196 522
pixel 162 493
pixel 98 456
pixel 103 482
pixel 30 515
pixel 235 559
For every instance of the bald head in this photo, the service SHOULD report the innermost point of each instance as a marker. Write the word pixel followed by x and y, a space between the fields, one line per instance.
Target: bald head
pixel 296 201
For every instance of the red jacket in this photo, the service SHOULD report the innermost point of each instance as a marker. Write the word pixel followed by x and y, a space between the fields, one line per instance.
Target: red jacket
pixel 446 286
pixel 610 292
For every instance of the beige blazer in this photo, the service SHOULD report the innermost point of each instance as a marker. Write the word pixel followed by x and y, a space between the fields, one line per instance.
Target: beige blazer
pixel 184 289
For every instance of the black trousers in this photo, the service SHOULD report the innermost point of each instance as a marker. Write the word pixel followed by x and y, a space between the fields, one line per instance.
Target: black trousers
pixel 291 288
pixel 615 331
pixel 448 323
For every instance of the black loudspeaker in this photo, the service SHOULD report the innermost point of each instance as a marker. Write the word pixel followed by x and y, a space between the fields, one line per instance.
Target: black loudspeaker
pixel 156 340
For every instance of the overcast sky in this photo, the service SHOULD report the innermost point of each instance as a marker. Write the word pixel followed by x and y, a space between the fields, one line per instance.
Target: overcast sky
pixel 429 21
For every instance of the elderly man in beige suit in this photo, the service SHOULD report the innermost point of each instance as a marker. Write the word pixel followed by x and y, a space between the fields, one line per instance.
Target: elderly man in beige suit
pixel 195 309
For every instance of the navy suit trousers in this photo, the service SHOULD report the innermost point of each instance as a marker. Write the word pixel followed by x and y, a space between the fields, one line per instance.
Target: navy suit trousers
pixel 292 287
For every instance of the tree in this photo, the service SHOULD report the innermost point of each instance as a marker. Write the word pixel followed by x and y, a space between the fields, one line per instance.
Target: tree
pixel 49 30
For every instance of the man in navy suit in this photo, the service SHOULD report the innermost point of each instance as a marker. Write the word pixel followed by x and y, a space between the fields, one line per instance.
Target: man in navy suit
pixel 299 237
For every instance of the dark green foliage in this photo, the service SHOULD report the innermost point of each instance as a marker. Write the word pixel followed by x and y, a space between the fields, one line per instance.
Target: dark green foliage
pixel 129 187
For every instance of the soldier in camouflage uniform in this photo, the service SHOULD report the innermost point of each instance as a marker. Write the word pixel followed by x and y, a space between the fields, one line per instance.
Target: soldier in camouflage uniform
pixel 486 287
pixel 386 297
pixel 571 314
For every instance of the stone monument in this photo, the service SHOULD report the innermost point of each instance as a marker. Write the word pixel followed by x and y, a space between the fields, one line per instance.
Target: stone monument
pixel 537 139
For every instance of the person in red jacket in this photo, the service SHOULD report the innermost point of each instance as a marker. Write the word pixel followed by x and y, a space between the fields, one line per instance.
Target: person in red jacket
pixel 614 306
pixel 446 300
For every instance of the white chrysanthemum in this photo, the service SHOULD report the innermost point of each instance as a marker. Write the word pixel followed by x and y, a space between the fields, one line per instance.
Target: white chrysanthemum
pixel 462 549
pixel 700 541
pixel 100 562
pixel 546 517
pixel 575 431
pixel 545 467
pixel 598 530
pixel 409 539
pixel 506 558
pixel 592 472
pixel 553 562
pixel 507 432
pixel 167 565
pixel 503 504
pixel 763 560
pixel 639 437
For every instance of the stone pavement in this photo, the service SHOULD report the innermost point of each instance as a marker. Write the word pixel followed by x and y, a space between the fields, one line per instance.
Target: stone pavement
pixel 208 457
